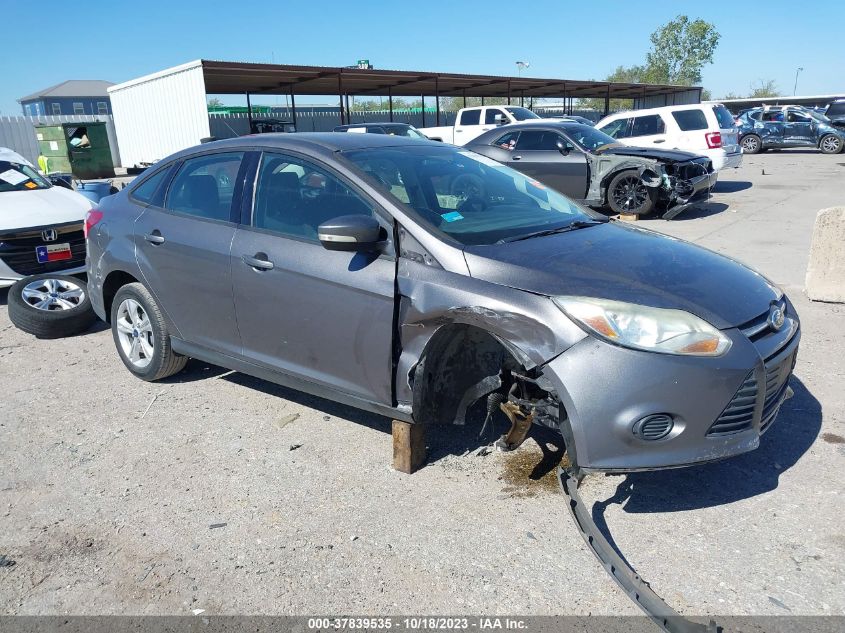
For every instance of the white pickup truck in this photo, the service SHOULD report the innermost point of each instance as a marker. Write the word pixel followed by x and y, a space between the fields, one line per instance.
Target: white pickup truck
pixel 472 122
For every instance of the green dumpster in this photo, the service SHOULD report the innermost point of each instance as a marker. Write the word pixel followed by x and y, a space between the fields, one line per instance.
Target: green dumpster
pixel 79 148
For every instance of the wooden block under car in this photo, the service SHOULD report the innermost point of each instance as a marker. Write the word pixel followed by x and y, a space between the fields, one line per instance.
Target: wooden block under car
pixel 628 217
pixel 408 446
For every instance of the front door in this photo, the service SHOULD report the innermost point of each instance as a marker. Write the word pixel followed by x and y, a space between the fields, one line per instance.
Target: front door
pixel 536 154
pixel 183 247
pixel 798 129
pixel 322 316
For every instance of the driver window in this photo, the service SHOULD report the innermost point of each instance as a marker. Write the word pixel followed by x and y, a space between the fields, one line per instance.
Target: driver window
pixel 537 140
pixel 294 197
pixel 795 117
pixel 490 116
pixel 204 186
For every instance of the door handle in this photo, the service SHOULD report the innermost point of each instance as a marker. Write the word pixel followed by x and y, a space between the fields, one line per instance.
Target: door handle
pixel 659 140
pixel 516 157
pixel 155 238
pixel 259 261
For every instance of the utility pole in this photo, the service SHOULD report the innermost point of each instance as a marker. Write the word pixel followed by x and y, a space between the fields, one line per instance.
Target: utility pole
pixel 795 88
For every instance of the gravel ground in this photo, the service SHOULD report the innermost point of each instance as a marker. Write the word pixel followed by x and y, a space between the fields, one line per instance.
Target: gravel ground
pixel 216 491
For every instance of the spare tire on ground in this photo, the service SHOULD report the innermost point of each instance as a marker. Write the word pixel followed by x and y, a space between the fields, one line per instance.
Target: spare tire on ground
pixel 50 306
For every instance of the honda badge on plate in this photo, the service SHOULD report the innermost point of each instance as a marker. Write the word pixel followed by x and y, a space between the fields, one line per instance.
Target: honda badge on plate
pixel 52 253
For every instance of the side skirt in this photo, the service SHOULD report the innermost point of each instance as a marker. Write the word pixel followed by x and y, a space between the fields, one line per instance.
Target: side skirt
pixel 286 380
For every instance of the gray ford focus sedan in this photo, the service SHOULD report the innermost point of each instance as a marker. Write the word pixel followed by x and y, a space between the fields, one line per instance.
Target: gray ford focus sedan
pixel 412 279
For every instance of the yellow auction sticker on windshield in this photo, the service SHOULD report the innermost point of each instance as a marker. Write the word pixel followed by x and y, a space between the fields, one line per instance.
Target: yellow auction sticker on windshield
pixel 31 185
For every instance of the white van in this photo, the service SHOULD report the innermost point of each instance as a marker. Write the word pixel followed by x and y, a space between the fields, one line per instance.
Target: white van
pixel 702 128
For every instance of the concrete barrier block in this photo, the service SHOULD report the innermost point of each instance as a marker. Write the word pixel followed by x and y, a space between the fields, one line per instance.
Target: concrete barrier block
pixel 826 269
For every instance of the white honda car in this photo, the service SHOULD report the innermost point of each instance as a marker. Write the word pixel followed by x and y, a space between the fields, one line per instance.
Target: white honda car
pixel 41 225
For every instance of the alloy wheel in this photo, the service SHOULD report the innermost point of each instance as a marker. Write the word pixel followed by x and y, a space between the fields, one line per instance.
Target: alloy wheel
pixel 135 333
pixel 53 294
pixel 831 144
pixel 630 194
pixel 750 144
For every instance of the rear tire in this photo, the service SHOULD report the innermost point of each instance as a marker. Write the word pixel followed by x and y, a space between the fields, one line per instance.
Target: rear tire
pixel 141 336
pixel 627 195
pixel 751 144
pixel 830 144
pixel 50 305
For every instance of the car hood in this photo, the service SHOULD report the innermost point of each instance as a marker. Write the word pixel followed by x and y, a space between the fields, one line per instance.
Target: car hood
pixel 41 207
pixel 624 263
pixel 663 155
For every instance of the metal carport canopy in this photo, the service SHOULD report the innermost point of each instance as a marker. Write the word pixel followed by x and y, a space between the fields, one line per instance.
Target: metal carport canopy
pixel 240 78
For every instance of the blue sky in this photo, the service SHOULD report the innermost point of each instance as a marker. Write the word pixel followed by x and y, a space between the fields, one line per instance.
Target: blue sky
pixel 117 41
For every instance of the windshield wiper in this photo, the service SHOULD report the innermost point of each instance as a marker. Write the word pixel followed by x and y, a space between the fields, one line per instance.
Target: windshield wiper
pixel 572 226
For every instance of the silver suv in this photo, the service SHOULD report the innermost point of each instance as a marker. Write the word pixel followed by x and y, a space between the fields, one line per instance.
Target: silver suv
pixel 362 268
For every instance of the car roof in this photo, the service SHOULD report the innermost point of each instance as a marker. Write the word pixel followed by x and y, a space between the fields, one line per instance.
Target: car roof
pixel 348 125
pixel 319 141
pixel 563 126
pixel 12 156
pixel 669 108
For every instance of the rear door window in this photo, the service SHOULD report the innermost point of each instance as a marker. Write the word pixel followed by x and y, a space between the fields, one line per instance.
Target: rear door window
pixel 617 128
pixel 470 117
pixel 204 186
pixel 689 120
pixel 149 191
pixel 648 125
pixel 723 116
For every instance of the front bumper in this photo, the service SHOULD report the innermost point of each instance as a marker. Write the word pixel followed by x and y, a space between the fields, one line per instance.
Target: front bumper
pixel 690 192
pixel 606 390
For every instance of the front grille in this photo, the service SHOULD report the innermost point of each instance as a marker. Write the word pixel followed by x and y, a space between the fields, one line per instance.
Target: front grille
pixel 757 328
pixel 17 250
pixel 778 370
pixel 739 414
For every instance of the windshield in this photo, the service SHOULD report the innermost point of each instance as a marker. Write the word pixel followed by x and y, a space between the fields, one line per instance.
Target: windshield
pixel 467 196
pixel 588 137
pixel 18 177
pixel 520 114
pixel 818 116
pixel 409 131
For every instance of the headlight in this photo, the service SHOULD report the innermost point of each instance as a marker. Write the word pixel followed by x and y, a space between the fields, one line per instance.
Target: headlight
pixel 642 327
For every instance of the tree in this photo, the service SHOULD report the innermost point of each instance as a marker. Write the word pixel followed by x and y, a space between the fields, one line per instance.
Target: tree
pixel 214 102
pixel 679 50
pixel 763 89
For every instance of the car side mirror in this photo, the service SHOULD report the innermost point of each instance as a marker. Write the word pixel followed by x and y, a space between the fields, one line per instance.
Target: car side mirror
pixel 500 119
pixel 563 147
pixel 351 233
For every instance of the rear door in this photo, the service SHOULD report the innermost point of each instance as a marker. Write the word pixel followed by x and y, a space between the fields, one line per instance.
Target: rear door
pixel 537 155
pixel 182 249
pixel 321 316
pixel 648 130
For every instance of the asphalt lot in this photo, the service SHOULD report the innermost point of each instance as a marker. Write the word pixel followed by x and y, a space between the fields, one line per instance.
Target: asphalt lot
pixel 123 497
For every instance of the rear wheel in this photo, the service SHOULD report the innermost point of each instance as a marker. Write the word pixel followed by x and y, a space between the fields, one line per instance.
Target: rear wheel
pixel 751 144
pixel 141 336
pixel 626 194
pixel 830 144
